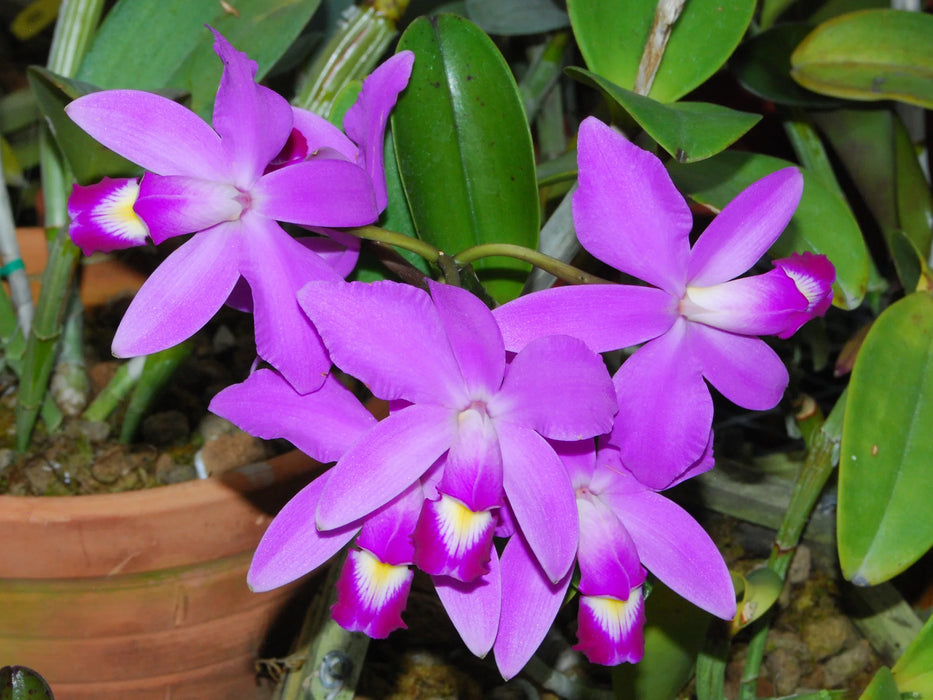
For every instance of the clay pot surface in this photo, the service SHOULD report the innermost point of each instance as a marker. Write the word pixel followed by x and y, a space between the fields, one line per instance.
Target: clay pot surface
pixel 143 594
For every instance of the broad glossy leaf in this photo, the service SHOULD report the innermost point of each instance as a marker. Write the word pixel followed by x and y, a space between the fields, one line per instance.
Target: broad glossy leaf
pixel 21 683
pixel 870 55
pixel 464 150
pixel 151 45
pixel 762 65
pixel 689 131
pixel 885 488
pixel 822 223
pixel 914 670
pixel 611 35
pixel 89 160
pixel 882 687
pixel 876 151
pixel 834 8
pixel 511 17
pixel 674 633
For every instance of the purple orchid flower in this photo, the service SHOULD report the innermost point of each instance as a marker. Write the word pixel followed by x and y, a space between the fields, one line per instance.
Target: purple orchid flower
pixel 217 182
pixel 462 450
pixel 443 356
pixel 102 216
pixel 699 321
pixel 625 528
pixel 375 580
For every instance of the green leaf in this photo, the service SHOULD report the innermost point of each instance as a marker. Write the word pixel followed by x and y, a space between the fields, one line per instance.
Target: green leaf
pixel 89 160
pixel 877 153
pixel 514 17
pixel 870 55
pixel 834 8
pixel 760 590
pixel 822 223
pixel 151 45
pixel 884 465
pixel 762 65
pixel 689 131
pixel 882 687
pixel 464 149
pixel 611 35
pixel 21 683
pixel 914 670
pixel 674 633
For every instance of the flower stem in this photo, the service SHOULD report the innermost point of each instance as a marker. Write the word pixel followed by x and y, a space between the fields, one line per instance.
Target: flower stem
pixel 76 24
pixel 399 240
pixel 822 455
pixel 448 265
pixel 362 37
pixel 561 270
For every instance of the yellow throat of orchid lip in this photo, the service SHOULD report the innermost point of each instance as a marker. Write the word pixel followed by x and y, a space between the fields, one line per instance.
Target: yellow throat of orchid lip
pixel 118 213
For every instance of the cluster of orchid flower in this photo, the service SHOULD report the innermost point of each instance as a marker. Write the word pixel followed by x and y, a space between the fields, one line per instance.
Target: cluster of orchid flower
pixel 510 458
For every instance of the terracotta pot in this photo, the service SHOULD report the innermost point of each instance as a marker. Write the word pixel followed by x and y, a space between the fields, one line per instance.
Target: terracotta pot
pixel 143 594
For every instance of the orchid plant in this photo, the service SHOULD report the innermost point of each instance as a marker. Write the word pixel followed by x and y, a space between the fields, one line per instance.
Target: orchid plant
pixel 531 428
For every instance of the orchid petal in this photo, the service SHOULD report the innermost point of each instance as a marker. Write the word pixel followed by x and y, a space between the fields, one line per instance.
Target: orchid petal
pixel 474 607
pixel 397 451
pixel 611 630
pixel 558 387
pixel 473 335
pixel 541 498
pixel 453 540
pixel 276 266
pixel 604 316
pixel 365 121
pixel 292 545
pixel 322 424
pixel 182 294
pixel 745 228
pixel 665 409
pixel 102 216
pixel 374 331
pixel 607 556
pixel 152 131
pixel 611 475
pixel 744 370
pixel 387 533
pixel 253 121
pixel 578 458
pixel 338 249
pixel 529 606
pixel 316 193
pixel 319 134
pixel 177 204
pixel 676 549
pixel 627 211
pixel 759 305
pixel 473 470
pixel 814 276
pixel 371 595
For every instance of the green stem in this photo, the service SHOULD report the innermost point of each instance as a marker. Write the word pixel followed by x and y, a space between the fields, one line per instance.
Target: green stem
pixel 120 385
pixel 15 273
pixel 822 454
pixel 76 25
pixel 399 240
pixel 561 270
pixel 361 39
pixel 157 371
